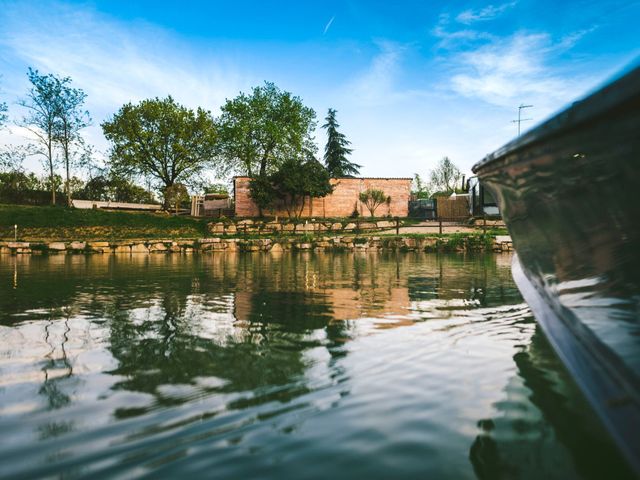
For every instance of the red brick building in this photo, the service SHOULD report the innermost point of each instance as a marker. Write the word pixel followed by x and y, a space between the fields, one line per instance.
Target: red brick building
pixel 340 203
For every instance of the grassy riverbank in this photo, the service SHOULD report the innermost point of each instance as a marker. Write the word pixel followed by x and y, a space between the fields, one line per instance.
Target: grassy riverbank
pixel 59 223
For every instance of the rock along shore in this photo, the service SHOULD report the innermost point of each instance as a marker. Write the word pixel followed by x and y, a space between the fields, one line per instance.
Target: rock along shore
pixel 456 243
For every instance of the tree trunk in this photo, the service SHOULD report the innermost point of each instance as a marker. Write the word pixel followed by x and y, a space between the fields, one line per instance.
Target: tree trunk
pixel 67 185
pixel 53 186
pixel 166 206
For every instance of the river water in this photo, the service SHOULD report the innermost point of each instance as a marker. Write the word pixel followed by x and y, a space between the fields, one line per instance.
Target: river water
pixel 283 366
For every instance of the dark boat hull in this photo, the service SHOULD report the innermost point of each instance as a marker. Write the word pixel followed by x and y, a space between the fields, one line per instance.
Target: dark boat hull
pixel 568 192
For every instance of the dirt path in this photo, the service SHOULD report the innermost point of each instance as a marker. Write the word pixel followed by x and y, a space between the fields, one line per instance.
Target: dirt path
pixel 433 227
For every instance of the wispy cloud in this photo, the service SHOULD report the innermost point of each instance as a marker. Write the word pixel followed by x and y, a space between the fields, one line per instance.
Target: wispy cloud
pixel 114 63
pixel 508 69
pixel 377 84
pixel 487 13
pixel 450 37
pixel 516 69
pixel 328 25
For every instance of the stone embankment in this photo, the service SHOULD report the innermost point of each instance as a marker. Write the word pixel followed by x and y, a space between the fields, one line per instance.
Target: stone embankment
pixel 458 243
pixel 258 227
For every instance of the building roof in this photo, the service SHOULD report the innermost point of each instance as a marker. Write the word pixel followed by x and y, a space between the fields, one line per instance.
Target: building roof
pixel 349 178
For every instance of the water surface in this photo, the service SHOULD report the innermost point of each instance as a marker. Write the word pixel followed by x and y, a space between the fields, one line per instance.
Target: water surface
pixel 298 366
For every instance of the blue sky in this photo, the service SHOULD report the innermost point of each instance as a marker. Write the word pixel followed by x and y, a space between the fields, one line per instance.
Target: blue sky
pixel 412 81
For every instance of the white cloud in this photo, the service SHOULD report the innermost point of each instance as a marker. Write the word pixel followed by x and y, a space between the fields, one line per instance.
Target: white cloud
pixel 375 85
pixel 449 38
pixel 487 13
pixel 113 63
pixel 516 69
pixel 378 85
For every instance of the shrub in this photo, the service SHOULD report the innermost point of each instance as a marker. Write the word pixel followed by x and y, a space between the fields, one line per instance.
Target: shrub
pixel 373 198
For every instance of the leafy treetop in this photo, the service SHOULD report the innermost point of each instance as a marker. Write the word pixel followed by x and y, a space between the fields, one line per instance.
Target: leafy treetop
pixel 446 176
pixel 258 132
pixel 161 139
pixel 290 185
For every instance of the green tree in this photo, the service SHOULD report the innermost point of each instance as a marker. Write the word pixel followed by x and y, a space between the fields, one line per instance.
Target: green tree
pixel 219 188
pixel 175 195
pixel 296 180
pixel 42 104
pixel 13 156
pixel 262 192
pixel 337 149
pixel 420 188
pixel 70 120
pixel 446 176
pixel 258 132
pixel 372 198
pixel 110 187
pixel 161 139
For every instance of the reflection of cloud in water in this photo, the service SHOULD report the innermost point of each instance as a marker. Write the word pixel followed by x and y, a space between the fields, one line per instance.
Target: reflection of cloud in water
pixel 213 346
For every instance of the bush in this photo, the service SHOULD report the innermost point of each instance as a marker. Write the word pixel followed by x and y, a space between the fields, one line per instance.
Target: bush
pixel 19 188
pixel 373 198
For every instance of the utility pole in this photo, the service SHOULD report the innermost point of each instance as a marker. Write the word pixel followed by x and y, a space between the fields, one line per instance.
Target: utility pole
pixel 520 119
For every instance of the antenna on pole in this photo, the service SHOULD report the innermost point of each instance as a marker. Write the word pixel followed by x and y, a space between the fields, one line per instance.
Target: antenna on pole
pixel 520 119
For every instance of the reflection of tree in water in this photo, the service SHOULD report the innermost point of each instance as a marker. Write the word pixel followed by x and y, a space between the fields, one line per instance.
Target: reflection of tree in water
pixel 473 277
pixel 504 448
pixel 167 350
pixel 53 387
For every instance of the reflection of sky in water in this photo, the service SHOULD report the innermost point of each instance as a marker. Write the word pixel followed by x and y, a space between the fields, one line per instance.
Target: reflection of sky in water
pixel 258 365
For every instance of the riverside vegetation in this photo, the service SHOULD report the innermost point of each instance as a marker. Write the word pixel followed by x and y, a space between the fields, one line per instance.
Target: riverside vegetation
pixel 52 229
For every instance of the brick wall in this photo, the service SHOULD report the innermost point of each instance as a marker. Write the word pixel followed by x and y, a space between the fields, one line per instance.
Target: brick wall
pixel 341 202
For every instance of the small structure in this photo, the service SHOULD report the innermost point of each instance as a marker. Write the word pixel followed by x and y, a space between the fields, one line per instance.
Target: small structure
pixel 454 206
pixel 210 205
pixel 481 201
pixel 89 204
pixel 342 202
pixel 423 208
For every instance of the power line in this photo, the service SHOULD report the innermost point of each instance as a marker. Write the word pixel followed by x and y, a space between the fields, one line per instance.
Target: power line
pixel 520 119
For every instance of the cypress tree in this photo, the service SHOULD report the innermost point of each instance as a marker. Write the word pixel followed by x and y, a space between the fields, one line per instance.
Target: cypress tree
pixel 337 149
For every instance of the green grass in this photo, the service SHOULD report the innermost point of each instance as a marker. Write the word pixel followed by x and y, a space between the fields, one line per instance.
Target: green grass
pixel 75 224
pixel 60 223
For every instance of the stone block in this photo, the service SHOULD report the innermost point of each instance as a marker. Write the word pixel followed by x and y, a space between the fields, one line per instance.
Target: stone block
pixel 140 248
pixel 368 226
pixel 217 228
pixel 409 242
pixel 98 247
pixel 78 246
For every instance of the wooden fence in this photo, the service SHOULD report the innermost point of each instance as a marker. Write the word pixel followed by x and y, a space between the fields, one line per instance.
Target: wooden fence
pixel 453 207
